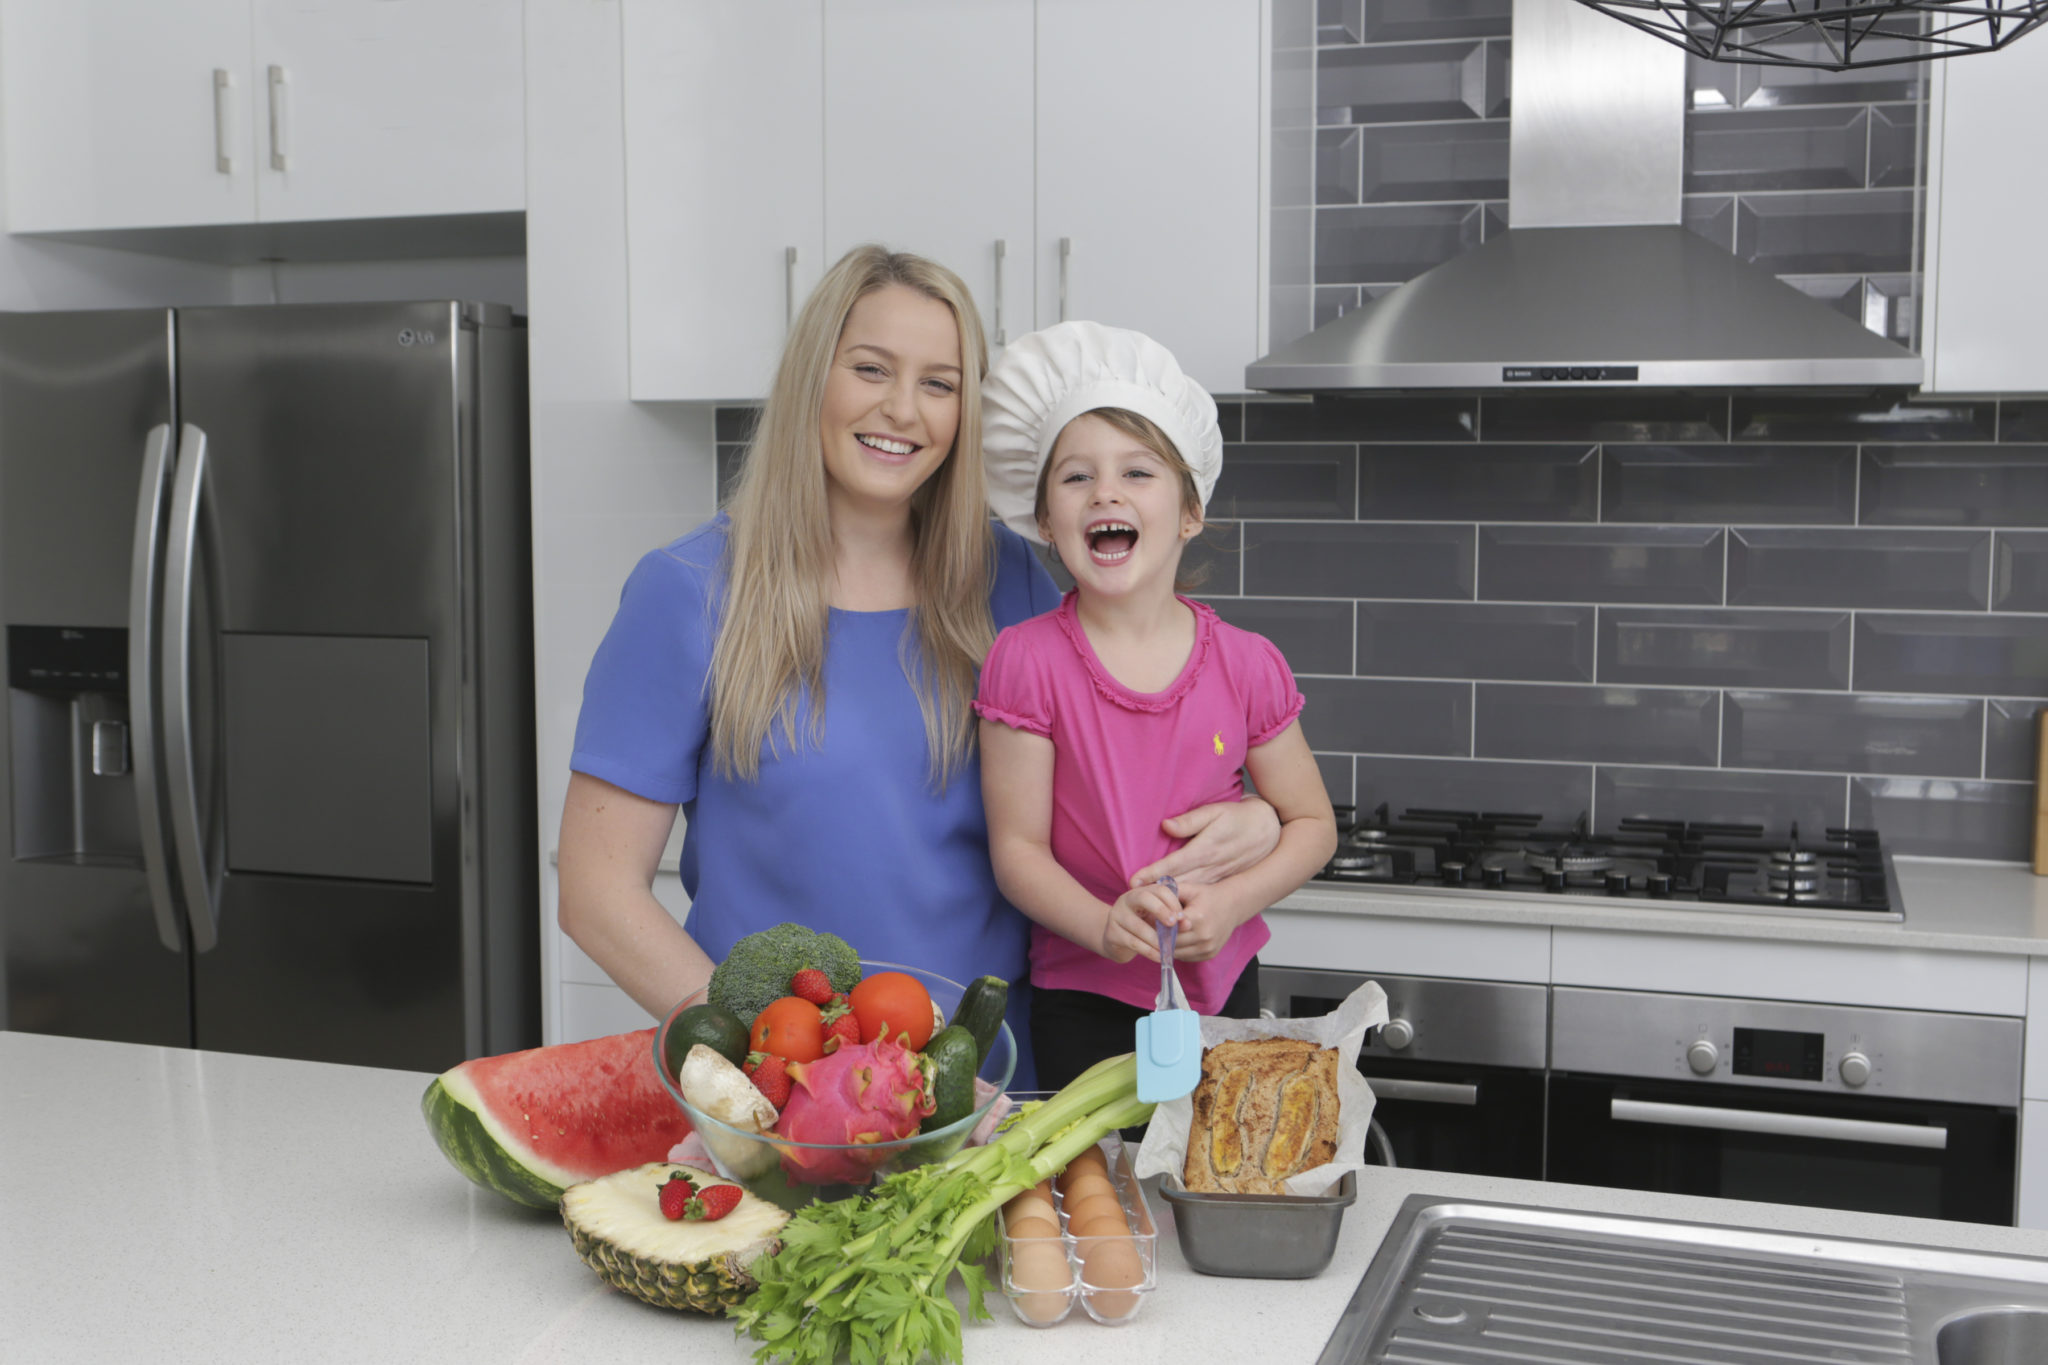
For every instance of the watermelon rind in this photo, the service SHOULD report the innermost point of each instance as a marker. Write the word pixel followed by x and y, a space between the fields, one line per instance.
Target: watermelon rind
pixel 479 1148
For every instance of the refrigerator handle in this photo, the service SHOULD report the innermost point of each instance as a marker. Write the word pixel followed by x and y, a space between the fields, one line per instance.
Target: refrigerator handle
pixel 180 777
pixel 142 700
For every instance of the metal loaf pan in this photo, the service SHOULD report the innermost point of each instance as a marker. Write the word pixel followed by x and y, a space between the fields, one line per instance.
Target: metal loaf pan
pixel 1259 1236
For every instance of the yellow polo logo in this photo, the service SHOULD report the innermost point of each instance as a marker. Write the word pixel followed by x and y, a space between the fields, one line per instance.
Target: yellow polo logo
pixel 1218 742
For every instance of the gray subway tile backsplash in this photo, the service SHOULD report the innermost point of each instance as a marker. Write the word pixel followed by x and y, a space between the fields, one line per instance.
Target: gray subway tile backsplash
pixel 1679 565
pixel 1991 820
pixel 2012 738
pixel 1351 559
pixel 1475 640
pixel 2021 575
pixel 1481 483
pixel 1389 243
pixel 1403 163
pixel 1854 733
pixel 1955 485
pixel 1287 481
pixel 1443 570
pixel 1377 716
pixel 1904 570
pixel 1719 796
pixel 1669 647
pixel 1402 84
pixel 1853 233
pixel 1815 148
pixel 1314 635
pixel 1986 656
pixel 1659 725
pixel 1801 485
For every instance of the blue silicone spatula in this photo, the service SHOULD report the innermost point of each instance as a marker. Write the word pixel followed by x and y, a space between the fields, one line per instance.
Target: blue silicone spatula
pixel 1169 1038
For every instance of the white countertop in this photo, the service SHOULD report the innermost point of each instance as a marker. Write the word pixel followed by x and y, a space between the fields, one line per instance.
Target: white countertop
pixel 1950 905
pixel 171 1206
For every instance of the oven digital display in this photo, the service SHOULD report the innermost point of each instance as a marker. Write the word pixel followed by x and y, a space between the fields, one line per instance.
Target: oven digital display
pixel 1780 1055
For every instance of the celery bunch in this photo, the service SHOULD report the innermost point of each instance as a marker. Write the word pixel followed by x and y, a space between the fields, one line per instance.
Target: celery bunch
pixel 865 1279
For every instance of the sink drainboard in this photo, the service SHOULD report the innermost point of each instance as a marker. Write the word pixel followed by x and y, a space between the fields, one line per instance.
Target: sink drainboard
pixel 1465 1283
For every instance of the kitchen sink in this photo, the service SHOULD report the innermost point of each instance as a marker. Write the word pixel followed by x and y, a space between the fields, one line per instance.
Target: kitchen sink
pixel 1465 1282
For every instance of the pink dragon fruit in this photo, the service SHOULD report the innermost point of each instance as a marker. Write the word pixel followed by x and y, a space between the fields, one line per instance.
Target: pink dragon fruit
pixel 872 1092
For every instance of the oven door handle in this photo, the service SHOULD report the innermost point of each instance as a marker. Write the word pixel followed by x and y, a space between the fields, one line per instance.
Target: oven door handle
pixel 1424 1092
pixel 1786 1125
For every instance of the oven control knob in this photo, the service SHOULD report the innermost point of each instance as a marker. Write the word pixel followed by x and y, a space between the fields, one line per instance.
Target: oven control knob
pixel 1854 1069
pixel 1703 1057
pixel 1397 1034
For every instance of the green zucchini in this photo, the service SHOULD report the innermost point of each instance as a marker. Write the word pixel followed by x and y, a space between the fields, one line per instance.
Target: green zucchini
pixel 980 1012
pixel 953 1064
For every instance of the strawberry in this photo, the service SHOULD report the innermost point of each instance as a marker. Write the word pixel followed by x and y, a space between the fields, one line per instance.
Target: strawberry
pixel 812 985
pixel 770 1075
pixel 714 1202
pixel 841 1031
pixel 676 1192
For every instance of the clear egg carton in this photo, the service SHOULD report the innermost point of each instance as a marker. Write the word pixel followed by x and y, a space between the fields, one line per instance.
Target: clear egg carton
pixel 1108 1281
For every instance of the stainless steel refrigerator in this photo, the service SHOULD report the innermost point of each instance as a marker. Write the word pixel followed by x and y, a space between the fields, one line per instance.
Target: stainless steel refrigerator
pixel 268 761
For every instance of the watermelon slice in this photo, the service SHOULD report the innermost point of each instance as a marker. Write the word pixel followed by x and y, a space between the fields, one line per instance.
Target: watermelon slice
pixel 530 1124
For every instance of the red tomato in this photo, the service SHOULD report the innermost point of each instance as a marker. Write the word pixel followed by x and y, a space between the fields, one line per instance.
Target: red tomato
pixel 789 1028
pixel 895 1003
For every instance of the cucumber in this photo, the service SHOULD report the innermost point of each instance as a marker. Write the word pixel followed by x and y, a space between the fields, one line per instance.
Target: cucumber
pixel 953 1063
pixel 980 1012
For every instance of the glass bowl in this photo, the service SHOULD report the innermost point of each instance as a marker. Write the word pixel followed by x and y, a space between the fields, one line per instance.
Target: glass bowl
pixel 761 1161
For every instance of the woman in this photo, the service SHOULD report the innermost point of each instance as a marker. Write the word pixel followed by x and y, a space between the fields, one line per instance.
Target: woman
pixel 797 675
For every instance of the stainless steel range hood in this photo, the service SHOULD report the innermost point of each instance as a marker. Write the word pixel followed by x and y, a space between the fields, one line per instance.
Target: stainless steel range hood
pixel 1596 285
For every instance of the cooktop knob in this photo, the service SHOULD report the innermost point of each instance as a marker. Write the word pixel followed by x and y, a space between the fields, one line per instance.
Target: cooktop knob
pixel 1659 883
pixel 1703 1057
pixel 1553 881
pixel 1617 883
pixel 1397 1034
pixel 1494 876
pixel 1452 871
pixel 1854 1068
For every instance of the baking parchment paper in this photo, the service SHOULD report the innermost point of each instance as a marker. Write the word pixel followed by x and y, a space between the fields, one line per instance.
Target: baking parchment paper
pixel 1164 1151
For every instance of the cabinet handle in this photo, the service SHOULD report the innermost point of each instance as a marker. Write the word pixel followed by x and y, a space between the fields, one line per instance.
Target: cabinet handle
pixel 280 120
pixel 1002 250
pixel 223 111
pixel 788 287
pixel 1066 255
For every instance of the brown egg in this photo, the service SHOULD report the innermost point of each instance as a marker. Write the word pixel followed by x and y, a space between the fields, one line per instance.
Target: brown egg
pixel 1088 1209
pixel 1020 1226
pixel 1043 1280
pixel 1084 1185
pixel 1088 1163
pixel 1101 1222
pixel 1028 1204
pixel 1110 1273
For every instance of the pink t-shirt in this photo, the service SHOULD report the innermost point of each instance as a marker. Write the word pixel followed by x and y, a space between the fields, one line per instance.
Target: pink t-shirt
pixel 1123 761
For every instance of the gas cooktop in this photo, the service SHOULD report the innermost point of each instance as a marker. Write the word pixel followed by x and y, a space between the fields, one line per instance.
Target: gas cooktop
pixel 1744 867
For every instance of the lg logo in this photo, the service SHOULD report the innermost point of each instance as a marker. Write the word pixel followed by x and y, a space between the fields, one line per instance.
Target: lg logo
pixel 413 337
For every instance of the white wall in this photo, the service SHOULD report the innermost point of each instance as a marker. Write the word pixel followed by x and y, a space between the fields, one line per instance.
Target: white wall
pixel 486 279
pixel 611 479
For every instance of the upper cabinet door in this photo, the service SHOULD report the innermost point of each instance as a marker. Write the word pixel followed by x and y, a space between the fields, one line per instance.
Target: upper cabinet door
pixel 1149 202
pixel 126 113
pixel 394 109
pixel 724 188
pixel 1987 198
pixel 928 142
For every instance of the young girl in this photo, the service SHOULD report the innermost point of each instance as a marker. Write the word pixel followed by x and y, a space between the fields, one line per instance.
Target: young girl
pixel 1128 702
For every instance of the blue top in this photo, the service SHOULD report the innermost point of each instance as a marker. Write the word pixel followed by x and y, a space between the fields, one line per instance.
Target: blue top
pixel 847 835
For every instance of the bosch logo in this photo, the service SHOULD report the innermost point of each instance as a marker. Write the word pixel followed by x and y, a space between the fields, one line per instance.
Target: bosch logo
pixel 415 337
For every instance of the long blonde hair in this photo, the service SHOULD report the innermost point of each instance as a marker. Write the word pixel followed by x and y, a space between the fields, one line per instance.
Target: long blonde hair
pixel 770 653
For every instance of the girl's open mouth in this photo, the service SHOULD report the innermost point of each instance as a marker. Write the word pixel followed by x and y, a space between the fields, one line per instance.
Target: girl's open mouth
pixel 887 446
pixel 1110 542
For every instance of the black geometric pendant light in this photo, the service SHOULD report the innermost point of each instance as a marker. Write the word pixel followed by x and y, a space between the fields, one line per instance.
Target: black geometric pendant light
pixel 1834 34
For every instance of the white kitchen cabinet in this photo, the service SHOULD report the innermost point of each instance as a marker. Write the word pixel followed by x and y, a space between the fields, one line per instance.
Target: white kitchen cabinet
pixel 1150 124
pixel 725 214
pixel 897 170
pixel 1986 199
pixel 1101 160
pixel 126 114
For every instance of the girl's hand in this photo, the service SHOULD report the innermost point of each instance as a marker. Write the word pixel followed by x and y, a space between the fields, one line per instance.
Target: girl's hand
pixel 1132 927
pixel 1208 919
pixel 1224 838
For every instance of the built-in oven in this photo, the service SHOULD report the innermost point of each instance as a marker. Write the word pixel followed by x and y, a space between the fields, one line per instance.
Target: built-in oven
pixel 1878 1110
pixel 1456 1071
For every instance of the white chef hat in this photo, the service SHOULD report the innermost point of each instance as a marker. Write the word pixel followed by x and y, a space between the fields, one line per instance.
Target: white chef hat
pixel 1045 380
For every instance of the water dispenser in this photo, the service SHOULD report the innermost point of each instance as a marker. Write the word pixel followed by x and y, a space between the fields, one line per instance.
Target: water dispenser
pixel 73 771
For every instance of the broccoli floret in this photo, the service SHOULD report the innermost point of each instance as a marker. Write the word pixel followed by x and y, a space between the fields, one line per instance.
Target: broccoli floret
pixel 759 967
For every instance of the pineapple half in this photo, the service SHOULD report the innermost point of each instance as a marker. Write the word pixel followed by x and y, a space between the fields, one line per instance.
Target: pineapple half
pixel 619 1231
